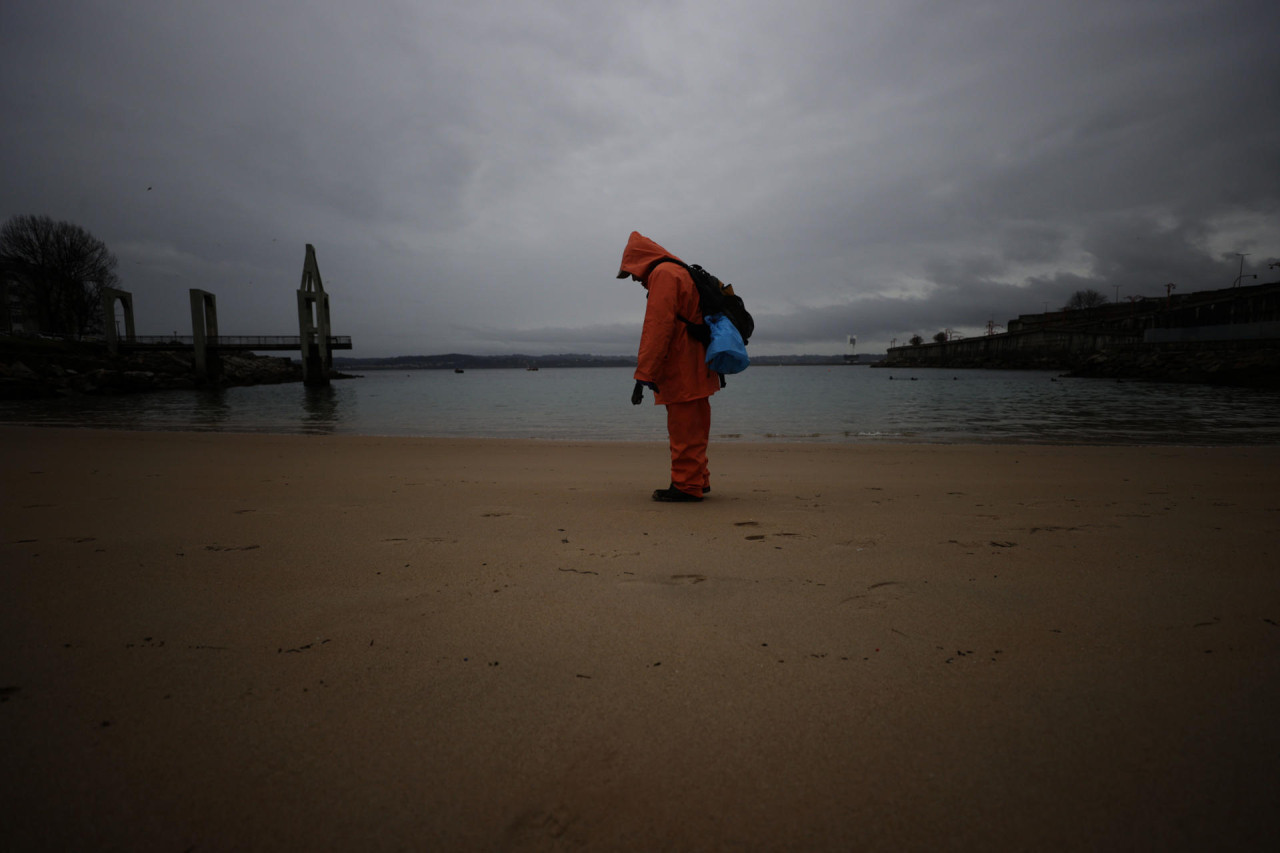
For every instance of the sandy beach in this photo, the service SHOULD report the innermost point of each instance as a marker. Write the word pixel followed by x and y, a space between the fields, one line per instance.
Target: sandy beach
pixel 231 642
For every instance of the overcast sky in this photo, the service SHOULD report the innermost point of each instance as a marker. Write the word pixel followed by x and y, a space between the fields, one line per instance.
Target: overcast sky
pixel 469 172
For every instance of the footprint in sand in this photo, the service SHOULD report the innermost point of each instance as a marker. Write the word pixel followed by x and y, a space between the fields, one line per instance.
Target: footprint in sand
pixel 757 537
pixel 878 595
pixel 540 828
pixel 672 580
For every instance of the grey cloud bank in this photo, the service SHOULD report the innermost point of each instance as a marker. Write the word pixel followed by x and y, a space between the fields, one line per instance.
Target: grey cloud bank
pixel 469 173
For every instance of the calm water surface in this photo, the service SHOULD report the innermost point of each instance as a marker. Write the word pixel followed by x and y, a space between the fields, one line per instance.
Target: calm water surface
pixel 833 404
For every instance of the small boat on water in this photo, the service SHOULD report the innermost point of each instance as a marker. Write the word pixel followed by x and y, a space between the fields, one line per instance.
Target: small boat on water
pixel 458 370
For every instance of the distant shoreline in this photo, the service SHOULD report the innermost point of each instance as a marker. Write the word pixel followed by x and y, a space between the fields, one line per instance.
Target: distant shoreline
pixel 452 361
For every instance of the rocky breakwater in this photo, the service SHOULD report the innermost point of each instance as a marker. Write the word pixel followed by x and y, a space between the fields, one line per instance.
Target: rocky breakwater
pixel 30 369
pixel 1245 365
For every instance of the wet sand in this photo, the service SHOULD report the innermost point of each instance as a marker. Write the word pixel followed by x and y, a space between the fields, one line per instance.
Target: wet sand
pixel 224 642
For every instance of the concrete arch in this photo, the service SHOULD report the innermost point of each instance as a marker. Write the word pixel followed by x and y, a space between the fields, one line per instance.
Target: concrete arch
pixel 110 296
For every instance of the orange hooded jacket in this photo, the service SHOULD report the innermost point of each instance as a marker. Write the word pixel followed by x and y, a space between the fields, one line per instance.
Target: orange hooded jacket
pixel 668 357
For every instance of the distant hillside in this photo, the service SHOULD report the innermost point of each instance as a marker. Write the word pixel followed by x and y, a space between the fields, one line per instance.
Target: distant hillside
pixel 777 360
pixel 455 360
pixel 462 361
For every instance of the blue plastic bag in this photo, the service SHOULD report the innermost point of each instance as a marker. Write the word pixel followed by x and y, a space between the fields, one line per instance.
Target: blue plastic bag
pixel 726 353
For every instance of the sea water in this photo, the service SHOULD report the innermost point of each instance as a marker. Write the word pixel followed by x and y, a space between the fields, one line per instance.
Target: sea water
pixel 773 404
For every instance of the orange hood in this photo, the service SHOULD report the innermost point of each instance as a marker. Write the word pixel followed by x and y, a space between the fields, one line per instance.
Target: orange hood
pixel 640 256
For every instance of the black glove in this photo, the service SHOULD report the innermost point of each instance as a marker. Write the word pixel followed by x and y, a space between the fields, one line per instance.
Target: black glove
pixel 637 393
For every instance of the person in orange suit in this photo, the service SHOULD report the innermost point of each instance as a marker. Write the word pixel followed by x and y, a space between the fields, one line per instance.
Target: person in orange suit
pixel 673 364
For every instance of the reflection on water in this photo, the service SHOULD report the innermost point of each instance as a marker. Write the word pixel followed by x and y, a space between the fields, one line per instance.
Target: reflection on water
pixel 320 408
pixel 766 403
pixel 211 409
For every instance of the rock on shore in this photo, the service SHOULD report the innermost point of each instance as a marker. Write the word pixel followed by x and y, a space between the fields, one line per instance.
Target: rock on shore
pixel 34 369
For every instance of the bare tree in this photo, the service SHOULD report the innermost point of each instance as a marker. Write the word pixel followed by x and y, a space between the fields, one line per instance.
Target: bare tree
pixel 1085 299
pixel 63 269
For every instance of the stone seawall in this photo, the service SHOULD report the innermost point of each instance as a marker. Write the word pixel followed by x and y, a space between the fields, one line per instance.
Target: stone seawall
pixel 1043 349
pixel 1245 363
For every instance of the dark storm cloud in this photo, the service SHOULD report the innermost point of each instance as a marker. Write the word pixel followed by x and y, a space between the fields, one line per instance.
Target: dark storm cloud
pixel 469 172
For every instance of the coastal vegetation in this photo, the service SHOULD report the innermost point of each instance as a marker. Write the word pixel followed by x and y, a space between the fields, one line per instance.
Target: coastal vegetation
pixel 60 270
pixel 1083 299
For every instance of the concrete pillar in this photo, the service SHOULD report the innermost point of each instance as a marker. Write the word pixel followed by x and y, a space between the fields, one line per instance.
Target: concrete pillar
pixel 204 327
pixel 313 323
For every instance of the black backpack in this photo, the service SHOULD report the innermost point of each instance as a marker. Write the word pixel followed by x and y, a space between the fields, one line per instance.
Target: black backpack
pixel 715 297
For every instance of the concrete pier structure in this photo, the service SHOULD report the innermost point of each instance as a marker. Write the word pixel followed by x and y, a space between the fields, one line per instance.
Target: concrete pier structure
pixel 110 296
pixel 313 323
pixel 204 331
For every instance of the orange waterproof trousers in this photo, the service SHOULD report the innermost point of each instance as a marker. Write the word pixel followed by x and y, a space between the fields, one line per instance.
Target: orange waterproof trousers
pixel 688 426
